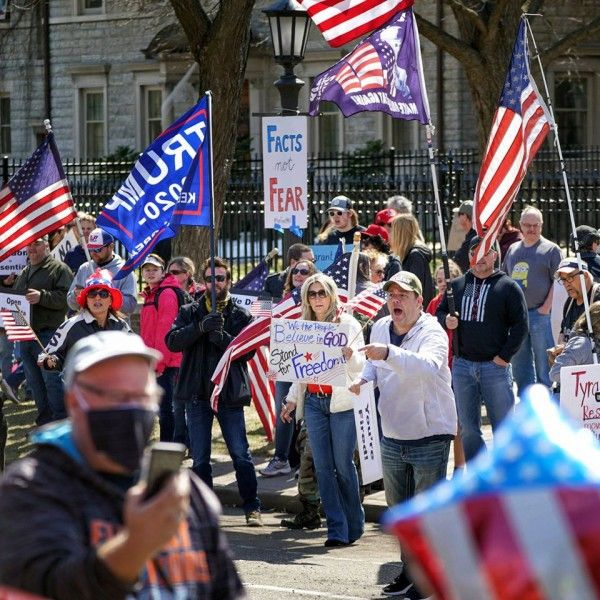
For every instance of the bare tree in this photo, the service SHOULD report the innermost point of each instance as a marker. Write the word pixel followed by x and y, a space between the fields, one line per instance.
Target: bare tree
pixel 486 34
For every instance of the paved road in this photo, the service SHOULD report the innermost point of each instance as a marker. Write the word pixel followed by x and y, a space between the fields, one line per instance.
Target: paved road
pixel 277 563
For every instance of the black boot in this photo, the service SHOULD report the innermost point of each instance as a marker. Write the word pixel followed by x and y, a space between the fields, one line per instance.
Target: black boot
pixel 307 518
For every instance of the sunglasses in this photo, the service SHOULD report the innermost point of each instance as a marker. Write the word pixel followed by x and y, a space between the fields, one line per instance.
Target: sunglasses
pixel 312 294
pixel 301 271
pixel 335 213
pixel 96 250
pixel 211 278
pixel 176 272
pixel 104 294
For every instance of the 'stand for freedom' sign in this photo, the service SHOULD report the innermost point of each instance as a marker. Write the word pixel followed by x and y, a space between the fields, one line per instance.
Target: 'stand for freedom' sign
pixel 308 351
pixel 580 395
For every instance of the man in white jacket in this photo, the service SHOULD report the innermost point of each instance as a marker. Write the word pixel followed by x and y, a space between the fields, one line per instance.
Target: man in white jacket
pixel 408 362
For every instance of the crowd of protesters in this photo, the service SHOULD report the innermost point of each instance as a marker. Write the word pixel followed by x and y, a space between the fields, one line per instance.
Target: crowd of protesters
pixel 482 344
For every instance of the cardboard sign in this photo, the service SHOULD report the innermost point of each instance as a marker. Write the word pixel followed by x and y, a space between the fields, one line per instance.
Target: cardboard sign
pixel 10 300
pixel 367 434
pixel 244 299
pixel 284 144
pixel 324 255
pixel 580 395
pixel 66 245
pixel 14 264
pixel 308 351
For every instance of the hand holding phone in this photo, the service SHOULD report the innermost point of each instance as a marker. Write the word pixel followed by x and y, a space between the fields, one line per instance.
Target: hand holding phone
pixel 161 460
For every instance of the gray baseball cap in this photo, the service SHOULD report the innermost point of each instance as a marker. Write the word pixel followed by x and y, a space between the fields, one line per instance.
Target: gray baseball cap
pixel 102 346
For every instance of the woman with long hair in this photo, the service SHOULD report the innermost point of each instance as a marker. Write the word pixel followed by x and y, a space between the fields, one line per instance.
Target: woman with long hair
pixel 184 269
pixel 329 416
pixel 343 222
pixel 100 302
pixel 414 255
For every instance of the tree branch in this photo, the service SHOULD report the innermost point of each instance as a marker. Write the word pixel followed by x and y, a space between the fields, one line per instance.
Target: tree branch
pixel 194 21
pixel 576 37
pixel 470 14
pixel 495 19
pixel 453 46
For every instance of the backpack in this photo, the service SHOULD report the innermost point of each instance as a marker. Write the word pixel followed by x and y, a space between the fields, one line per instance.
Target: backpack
pixel 183 297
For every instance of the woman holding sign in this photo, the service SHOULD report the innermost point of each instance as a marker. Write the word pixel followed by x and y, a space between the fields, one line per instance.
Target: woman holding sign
pixel 328 412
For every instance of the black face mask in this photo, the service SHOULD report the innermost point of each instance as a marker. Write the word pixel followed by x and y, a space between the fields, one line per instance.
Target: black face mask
pixel 122 434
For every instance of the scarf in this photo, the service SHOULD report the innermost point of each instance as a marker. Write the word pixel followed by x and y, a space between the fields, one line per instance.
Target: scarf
pixel 221 304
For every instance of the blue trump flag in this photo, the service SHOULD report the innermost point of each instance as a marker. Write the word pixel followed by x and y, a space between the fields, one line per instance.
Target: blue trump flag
pixel 169 185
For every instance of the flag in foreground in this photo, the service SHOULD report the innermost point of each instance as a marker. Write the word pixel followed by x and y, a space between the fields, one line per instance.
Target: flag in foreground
pixel 383 73
pixel 16 326
pixel 343 21
pixel 368 302
pixel 35 201
pixel 520 125
pixel 523 522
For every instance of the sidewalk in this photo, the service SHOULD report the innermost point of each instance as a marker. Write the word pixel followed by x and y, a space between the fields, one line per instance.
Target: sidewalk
pixel 280 493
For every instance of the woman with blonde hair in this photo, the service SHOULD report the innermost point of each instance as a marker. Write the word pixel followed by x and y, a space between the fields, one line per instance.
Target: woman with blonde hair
pixel 329 417
pixel 415 256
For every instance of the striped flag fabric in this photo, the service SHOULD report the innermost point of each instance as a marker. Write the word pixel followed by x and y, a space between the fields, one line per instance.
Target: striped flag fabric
pixel 363 70
pixel 522 522
pixel 368 302
pixel 520 125
pixel 342 21
pixel 16 326
pixel 35 201
pixel 261 307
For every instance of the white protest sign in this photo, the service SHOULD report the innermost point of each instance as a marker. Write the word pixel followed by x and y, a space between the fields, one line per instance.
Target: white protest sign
pixel 580 395
pixel 308 351
pixel 559 297
pixel 10 300
pixel 284 146
pixel 367 434
pixel 243 299
pixel 66 245
pixel 14 264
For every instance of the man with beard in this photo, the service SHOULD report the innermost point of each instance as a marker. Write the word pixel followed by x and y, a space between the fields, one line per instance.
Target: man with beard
pixel 78 528
pixel 102 250
pixel 203 332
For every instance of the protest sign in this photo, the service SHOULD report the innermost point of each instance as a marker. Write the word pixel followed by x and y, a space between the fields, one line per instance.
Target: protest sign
pixel 14 264
pixel 243 299
pixel 580 395
pixel 66 245
pixel 284 172
pixel 367 434
pixel 324 255
pixel 308 351
pixel 9 300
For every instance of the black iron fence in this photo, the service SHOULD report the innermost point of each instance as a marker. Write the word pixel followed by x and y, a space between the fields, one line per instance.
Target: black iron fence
pixel 368 181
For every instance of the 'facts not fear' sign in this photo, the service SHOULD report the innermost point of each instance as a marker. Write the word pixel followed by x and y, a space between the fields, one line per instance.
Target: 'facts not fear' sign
pixel 284 172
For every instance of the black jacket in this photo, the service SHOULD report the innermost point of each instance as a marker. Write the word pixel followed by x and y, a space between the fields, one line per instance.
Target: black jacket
pixel 274 284
pixel 417 262
pixel 461 256
pixel 593 262
pixel 201 356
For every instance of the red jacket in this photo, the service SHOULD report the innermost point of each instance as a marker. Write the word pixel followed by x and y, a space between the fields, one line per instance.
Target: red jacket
pixel 155 324
pixel 431 309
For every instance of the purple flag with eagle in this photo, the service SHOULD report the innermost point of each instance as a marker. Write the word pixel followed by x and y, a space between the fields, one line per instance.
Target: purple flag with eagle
pixel 383 73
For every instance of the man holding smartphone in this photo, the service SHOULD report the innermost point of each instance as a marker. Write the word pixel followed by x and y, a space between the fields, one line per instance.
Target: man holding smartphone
pixel 83 529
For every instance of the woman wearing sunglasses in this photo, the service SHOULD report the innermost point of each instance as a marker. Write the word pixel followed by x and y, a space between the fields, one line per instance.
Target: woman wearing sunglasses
pixel 184 269
pixel 329 416
pixel 100 303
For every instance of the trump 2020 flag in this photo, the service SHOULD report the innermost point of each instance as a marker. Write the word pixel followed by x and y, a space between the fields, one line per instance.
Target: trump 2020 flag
pixel 383 73
pixel 169 185
pixel 522 523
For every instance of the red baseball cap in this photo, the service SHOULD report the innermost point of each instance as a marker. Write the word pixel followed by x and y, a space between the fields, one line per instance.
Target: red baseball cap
pixel 373 230
pixel 383 217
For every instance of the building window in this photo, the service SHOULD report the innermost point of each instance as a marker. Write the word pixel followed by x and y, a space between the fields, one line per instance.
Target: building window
pixel 571 103
pixel 4 124
pixel 329 129
pixel 4 14
pixel 151 114
pixel 94 125
pixel 90 7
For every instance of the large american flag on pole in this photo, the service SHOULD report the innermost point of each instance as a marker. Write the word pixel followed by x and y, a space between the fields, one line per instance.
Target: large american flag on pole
pixel 522 523
pixel 342 21
pixel 35 201
pixel 520 126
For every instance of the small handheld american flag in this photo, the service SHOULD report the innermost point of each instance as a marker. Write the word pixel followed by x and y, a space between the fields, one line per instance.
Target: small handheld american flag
pixel 16 326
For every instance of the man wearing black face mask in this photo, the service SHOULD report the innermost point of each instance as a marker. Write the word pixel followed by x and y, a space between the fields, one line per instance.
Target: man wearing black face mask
pixel 83 531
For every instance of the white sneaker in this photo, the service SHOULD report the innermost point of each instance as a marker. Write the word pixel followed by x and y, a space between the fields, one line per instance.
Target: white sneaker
pixel 276 467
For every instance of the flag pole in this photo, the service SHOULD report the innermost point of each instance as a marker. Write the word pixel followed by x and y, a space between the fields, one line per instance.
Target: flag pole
pixel 213 290
pixel 563 169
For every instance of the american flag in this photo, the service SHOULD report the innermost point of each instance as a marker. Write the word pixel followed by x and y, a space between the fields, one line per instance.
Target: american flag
pixel 35 201
pixel 261 307
pixel 255 280
pixel 368 302
pixel 16 326
pixel 523 522
pixel 520 125
pixel 363 70
pixel 342 21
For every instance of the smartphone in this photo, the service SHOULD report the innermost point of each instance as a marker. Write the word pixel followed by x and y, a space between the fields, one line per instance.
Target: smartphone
pixel 161 460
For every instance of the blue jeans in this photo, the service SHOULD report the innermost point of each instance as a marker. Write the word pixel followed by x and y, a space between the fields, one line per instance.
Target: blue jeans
pixel 284 432
pixel 530 363
pixel 474 382
pixel 333 440
pixel 199 416
pixel 166 416
pixel 409 470
pixel 46 386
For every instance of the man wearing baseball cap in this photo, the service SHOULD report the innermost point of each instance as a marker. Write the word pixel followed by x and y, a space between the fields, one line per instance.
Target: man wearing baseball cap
pixel 588 239
pixel 101 245
pixel 343 222
pixel 79 525
pixel 408 359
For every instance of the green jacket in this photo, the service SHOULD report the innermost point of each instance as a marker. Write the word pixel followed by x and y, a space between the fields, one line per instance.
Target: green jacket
pixel 52 278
